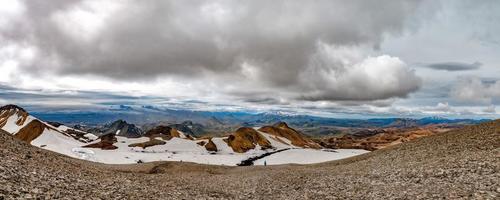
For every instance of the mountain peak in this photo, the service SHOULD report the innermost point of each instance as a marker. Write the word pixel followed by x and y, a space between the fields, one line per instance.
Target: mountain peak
pixel 120 121
pixel 282 129
pixel 434 118
pixel 122 128
pixel 281 125
pixel 8 111
pixel 12 107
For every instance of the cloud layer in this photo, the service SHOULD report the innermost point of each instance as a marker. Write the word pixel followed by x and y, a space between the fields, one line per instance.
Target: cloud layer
pixel 455 66
pixel 339 73
pixel 314 50
pixel 475 90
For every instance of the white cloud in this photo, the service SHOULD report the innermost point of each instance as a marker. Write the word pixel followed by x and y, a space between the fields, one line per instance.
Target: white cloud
pixel 327 56
pixel 490 109
pixel 345 73
pixel 248 44
pixel 474 90
pixel 444 107
pixel 10 10
pixel 83 21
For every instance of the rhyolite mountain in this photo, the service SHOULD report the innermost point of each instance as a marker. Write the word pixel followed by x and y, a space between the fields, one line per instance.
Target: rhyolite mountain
pixel 23 126
pixel 460 164
pixel 120 142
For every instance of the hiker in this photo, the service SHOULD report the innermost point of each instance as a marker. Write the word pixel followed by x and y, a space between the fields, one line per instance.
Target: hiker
pixel 265 163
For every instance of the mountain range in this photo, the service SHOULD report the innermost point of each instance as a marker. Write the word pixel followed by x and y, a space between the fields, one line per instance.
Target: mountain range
pixel 215 122
pixel 457 164
pixel 120 142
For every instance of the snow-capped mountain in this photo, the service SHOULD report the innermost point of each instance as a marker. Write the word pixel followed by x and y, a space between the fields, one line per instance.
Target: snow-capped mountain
pixel 125 129
pixel 164 143
pixel 19 123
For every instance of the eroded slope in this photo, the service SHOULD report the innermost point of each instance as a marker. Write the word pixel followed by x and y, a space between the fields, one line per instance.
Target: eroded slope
pixel 462 164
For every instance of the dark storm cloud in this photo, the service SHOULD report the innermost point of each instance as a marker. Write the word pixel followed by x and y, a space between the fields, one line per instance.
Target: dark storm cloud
pixel 279 40
pixel 455 66
pixel 262 100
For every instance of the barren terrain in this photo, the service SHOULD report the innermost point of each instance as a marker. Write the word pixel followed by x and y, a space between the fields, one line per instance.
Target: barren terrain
pixel 461 164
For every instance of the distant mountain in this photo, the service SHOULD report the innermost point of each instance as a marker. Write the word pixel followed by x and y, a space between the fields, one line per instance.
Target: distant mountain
pixel 218 122
pixel 406 122
pixel 187 127
pixel 452 165
pixel 118 127
pixel 121 142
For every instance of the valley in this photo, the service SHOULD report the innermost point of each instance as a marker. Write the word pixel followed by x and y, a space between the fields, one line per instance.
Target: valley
pixel 123 143
pixel 459 164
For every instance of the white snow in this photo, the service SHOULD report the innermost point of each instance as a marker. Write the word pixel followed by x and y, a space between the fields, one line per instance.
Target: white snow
pixel 55 141
pixel 222 146
pixel 90 136
pixel 308 156
pixel 11 125
pixel 277 143
pixel 176 149
pixel 181 134
pixel 62 128
pixel 84 153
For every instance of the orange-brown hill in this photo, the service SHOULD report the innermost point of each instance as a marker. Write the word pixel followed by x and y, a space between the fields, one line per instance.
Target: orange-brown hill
pixel 382 139
pixel 9 110
pixel 30 131
pixel 164 132
pixel 281 129
pixel 459 164
pixel 246 138
pixel 35 127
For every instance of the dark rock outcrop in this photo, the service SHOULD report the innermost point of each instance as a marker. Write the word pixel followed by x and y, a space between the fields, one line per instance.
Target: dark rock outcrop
pixel 210 146
pixel 105 143
pixel 164 132
pixel 125 129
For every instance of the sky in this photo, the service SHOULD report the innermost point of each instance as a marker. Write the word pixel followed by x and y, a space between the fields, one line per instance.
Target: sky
pixel 386 58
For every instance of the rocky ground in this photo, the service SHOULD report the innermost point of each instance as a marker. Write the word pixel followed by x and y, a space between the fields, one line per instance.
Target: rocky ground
pixel 461 164
pixel 374 139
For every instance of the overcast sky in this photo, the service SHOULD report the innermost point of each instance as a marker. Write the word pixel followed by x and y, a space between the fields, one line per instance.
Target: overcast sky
pixel 330 58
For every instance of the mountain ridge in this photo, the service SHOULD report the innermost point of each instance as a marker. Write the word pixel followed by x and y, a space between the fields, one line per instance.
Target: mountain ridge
pixel 109 145
pixel 461 164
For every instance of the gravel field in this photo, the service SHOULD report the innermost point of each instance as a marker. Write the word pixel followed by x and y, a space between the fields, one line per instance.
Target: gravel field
pixel 461 164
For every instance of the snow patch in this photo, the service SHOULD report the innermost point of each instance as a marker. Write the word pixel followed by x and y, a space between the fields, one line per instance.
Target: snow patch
pixel 179 149
pixel 84 153
pixel 12 127
pixel 308 156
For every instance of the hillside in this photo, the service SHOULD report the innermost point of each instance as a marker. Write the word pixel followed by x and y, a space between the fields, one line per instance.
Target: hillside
pixel 123 143
pixel 461 164
pixel 374 139
pixel 212 122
